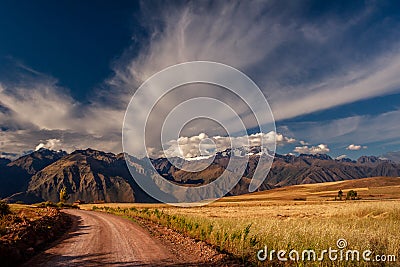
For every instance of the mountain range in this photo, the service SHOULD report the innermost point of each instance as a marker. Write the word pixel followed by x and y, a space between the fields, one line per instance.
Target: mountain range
pixel 96 176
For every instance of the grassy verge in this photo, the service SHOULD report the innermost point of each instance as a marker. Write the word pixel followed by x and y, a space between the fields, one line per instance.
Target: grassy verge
pixel 244 230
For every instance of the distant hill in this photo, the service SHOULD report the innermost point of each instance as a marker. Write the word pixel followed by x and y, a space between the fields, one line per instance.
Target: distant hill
pixel 286 170
pixel 309 169
pixel 393 156
pixel 367 189
pixel 96 176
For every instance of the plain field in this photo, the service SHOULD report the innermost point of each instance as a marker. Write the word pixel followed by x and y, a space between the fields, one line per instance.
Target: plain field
pixel 243 224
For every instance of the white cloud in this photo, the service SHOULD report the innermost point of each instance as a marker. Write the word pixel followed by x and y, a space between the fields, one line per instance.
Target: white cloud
pixel 203 145
pixel 355 147
pixel 41 110
pixel 341 157
pixel 45 105
pixel 320 149
pixel 52 144
pixel 20 142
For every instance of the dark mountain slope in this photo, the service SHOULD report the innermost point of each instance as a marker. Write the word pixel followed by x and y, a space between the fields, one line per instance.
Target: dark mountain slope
pixel 36 161
pixel 15 175
pixel 286 170
pixel 88 175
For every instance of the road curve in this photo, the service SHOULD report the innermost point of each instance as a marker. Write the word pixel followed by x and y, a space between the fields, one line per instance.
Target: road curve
pixel 101 239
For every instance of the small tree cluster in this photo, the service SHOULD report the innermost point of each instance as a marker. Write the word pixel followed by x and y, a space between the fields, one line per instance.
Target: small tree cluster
pixel 351 195
pixel 340 194
pixel 63 195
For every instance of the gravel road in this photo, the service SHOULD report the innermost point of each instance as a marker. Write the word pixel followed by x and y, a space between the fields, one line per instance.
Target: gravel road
pixel 101 239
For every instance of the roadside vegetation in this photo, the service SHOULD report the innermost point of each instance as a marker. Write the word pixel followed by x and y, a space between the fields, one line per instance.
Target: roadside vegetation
pixel 61 204
pixel 242 229
pixel 24 230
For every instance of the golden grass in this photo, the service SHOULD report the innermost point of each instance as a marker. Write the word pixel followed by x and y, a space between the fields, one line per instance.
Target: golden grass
pixel 241 225
pixel 19 214
pixel 242 229
pixel 28 211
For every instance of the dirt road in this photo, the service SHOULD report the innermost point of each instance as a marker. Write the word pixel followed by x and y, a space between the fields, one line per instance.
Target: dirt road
pixel 100 239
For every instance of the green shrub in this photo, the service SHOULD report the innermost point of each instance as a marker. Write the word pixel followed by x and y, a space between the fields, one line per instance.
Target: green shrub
pixel 351 195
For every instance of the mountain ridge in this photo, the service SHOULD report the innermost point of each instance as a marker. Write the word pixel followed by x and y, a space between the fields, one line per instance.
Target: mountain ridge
pixel 97 176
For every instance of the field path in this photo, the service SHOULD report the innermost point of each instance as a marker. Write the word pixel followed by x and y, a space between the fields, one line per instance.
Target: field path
pixel 101 239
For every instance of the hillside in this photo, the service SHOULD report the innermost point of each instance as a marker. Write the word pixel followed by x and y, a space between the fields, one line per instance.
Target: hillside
pixel 15 175
pixel 88 175
pixel 286 170
pixel 367 189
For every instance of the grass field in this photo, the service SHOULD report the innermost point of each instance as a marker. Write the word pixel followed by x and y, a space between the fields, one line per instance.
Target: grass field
pixel 245 224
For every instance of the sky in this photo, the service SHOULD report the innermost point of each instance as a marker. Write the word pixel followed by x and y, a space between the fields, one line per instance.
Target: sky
pixel 329 69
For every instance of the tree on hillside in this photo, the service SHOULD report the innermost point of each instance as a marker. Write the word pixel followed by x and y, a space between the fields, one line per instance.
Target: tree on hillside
pixel 340 194
pixel 351 195
pixel 63 195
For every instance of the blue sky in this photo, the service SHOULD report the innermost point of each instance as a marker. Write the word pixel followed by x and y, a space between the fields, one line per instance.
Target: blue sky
pixel 329 69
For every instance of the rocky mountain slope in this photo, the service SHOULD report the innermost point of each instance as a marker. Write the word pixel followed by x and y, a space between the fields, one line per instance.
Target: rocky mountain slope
pixel 88 175
pixel 286 170
pixel 15 175
pixel 95 176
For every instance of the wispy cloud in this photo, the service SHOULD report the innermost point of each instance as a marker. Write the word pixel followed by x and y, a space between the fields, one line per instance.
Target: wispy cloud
pixel 365 129
pixel 361 82
pixel 33 113
pixel 302 65
pixel 280 54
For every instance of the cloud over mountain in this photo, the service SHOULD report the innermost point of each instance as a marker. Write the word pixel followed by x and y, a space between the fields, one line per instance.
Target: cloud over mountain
pixel 319 149
pixel 203 145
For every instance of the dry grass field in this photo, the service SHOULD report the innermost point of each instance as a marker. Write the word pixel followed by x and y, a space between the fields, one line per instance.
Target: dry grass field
pixel 243 225
pixel 375 188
